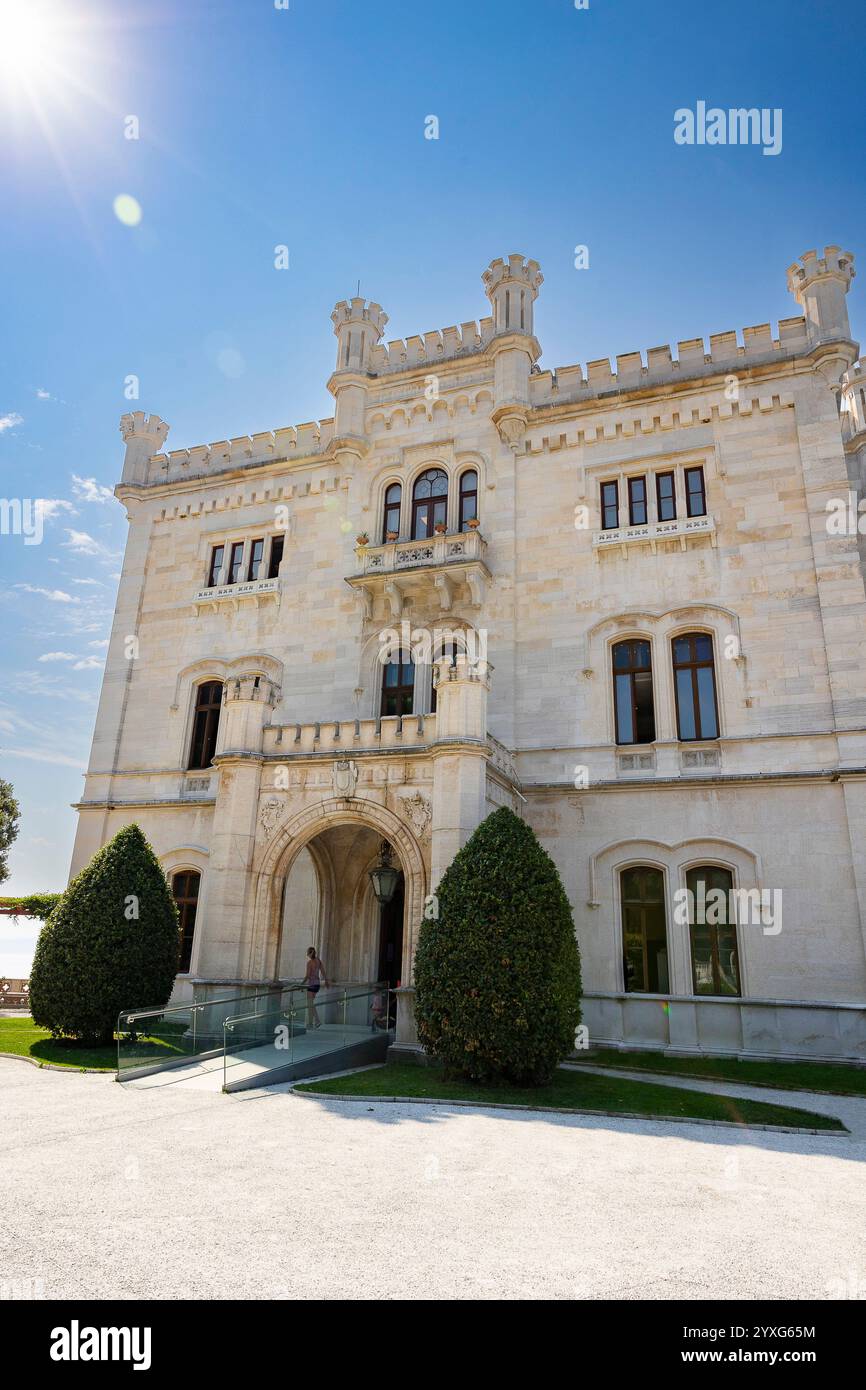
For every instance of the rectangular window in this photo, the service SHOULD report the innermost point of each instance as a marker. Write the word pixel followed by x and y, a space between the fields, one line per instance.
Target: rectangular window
pixel 696 501
pixel 257 550
pixel 713 931
pixel 633 692
pixel 236 560
pixel 666 497
pixel 609 506
pixel 216 564
pixel 644 931
pixel 637 501
pixel 695 687
pixel 398 688
pixel 276 556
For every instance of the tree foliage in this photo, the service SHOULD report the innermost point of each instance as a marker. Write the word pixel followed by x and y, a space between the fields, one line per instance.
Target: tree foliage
pixel 9 814
pixel 111 943
pixel 497 973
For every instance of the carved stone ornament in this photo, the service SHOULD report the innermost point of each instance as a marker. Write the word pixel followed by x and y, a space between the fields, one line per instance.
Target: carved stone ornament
pixel 418 812
pixel 345 777
pixel 270 813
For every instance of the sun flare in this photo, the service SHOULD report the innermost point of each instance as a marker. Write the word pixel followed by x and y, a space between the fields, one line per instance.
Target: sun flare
pixel 29 43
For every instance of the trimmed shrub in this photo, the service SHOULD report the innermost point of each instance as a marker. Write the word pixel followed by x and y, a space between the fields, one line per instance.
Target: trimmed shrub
pixel 497 973
pixel 111 943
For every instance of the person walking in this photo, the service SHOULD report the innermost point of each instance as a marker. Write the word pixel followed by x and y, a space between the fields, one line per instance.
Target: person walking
pixel 316 975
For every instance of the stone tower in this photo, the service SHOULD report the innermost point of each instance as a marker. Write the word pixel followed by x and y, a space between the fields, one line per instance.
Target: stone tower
pixel 512 287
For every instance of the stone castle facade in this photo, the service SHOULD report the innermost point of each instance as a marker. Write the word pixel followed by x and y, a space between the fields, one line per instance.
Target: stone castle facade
pixel 621 603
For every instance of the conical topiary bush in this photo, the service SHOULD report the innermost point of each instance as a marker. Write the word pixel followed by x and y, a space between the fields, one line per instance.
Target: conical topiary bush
pixel 497 972
pixel 111 943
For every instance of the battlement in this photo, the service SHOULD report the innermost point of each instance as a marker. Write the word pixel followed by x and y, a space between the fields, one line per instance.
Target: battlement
pixel 441 345
pixel 282 445
pixel 352 311
pixel 659 367
pixel 810 266
pixel 516 270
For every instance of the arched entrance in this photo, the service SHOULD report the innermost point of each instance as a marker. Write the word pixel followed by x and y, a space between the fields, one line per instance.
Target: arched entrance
pixel 313 888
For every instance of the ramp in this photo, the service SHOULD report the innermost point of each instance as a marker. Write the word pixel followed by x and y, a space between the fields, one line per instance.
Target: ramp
pixel 282 1037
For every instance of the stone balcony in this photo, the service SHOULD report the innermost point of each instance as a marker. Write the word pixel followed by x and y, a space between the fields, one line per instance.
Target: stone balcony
pixel 257 591
pixel 453 566
pixel 682 530
pixel 345 737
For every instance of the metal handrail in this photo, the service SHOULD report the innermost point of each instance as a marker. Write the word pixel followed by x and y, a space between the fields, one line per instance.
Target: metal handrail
pixel 362 987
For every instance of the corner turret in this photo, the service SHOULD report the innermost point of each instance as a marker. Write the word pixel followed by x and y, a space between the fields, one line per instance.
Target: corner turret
pixel 144 436
pixel 358 326
pixel 512 287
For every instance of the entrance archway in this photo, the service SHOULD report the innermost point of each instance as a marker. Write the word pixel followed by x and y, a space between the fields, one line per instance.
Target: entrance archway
pixel 342 839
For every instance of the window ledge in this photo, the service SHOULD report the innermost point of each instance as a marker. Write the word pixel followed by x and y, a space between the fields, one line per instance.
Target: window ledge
pixel 652 532
pixel 255 591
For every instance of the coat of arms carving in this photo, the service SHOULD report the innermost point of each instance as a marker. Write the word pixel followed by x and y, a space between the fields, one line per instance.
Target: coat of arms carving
pixel 270 813
pixel 345 777
pixel 419 813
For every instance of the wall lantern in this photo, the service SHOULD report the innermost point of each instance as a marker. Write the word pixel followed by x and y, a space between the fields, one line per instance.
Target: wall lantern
pixel 384 876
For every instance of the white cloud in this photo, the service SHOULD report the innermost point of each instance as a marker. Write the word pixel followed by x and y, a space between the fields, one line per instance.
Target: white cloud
pixel 89 490
pixel 8 422
pixel 44 755
pixel 49 507
pixel 43 395
pixel 98 582
pixel 82 543
pixel 102 643
pixel 57 656
pixel 55 595
pixel 89 663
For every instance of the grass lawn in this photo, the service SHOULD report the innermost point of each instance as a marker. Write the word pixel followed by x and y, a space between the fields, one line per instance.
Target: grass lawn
pixel 569 1090
pixel 21 1037
pixel 823 1077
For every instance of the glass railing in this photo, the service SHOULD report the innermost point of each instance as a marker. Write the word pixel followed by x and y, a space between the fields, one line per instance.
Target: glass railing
pixel 151 1039
pixel 299 1029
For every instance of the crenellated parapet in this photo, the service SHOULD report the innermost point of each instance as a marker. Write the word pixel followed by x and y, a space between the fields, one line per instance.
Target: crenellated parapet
pixel 429 349
pixel 204 460
pixel 661 366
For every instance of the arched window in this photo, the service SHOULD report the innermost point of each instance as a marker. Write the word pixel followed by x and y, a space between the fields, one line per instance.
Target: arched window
pixel 184 886
pixel 695 686
pixel 391 516
pixel 713 931
pixel 398 686
pixel 468 499
pixel 205 725
pixel 644 930
pixel 429 503
pixel 633 692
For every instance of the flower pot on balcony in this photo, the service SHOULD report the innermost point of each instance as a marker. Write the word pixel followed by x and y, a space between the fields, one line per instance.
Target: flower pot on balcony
pixel 440 528
pixel 362 540
pixel 391 535
pixel 473 523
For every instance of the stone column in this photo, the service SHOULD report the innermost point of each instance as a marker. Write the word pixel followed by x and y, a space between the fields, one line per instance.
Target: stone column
pixel 247 704
pixel 459 758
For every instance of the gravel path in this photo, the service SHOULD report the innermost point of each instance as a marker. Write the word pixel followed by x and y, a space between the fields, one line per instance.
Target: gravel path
pixel 112 1192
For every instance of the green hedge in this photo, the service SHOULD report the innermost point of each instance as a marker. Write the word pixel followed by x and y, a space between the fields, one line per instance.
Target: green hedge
pixel 111 943
pixel 497 973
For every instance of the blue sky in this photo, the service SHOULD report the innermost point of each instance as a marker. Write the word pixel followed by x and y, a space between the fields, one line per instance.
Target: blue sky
pixel 305 127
